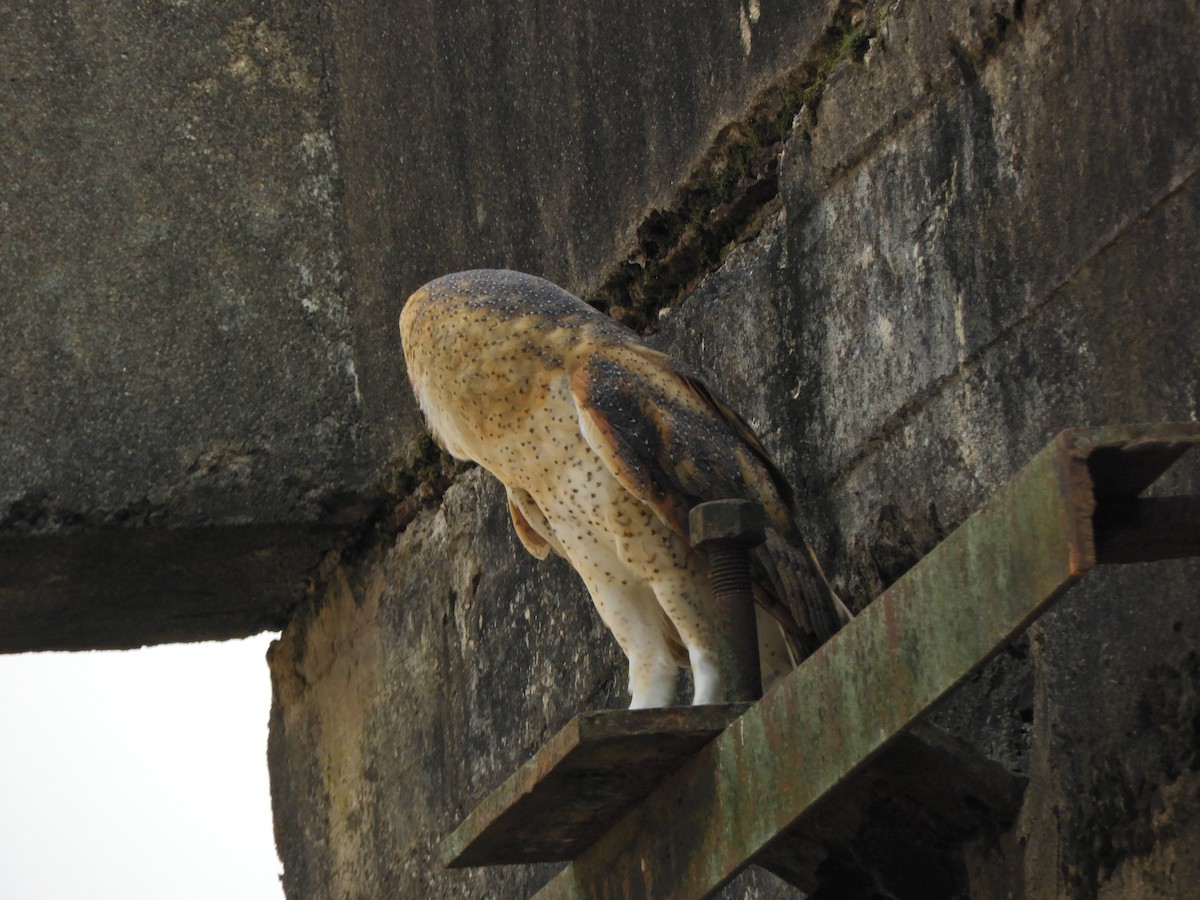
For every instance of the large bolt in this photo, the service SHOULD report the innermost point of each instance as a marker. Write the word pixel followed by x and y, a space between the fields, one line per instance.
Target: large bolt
pixel 727 530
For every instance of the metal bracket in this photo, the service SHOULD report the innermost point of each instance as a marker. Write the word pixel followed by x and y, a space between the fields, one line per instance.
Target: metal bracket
pixel 1074 505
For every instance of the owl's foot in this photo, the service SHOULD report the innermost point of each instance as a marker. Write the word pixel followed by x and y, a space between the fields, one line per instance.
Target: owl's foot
pixel 706 677
pixel 652 682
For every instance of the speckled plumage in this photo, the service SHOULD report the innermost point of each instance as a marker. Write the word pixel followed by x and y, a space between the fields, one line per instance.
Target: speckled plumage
pixel 603 445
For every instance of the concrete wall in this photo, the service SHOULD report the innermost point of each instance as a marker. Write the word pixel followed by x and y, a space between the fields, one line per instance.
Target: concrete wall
pixel 959 228
pixel 179 405
pixel 176 313
pixel 985 233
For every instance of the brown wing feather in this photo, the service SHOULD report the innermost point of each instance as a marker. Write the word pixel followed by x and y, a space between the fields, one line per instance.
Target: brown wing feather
pixel 672 441
pixel 669 438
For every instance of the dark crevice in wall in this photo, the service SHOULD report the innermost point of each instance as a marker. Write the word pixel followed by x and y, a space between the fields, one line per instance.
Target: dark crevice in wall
pixel 734 189
pixel 373 520
pixel 401 494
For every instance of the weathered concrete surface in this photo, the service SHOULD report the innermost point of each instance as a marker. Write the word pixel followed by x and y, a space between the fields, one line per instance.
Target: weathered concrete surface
pixel 430 668
pixel 112 589
pixel 996 255
pixel 175 333
pixel 986 234
pixel 179 399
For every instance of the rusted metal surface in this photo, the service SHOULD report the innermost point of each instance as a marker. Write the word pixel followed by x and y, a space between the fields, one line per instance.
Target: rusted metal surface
pixel 942 620
pixel 1123 461
pixel 727 530
pixel 581 782
pixel 741 521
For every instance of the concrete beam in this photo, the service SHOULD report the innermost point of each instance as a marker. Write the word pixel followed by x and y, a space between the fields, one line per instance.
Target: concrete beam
pixel 115 590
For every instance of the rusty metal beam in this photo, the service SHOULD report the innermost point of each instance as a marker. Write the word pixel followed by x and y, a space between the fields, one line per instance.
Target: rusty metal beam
pixel 909 648
pixel 581 782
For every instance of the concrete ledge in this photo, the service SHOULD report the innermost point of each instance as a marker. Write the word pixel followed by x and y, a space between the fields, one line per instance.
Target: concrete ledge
pixel 120 589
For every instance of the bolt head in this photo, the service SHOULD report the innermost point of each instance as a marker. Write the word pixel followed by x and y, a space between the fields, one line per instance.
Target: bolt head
pixel 727 520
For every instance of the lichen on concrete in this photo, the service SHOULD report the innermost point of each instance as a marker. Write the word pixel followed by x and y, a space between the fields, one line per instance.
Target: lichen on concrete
pixel 731 192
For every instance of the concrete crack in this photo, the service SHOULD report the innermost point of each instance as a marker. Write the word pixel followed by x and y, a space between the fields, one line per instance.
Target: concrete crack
pixel 735 187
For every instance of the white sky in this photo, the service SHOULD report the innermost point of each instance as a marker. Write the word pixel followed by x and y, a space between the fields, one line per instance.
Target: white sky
pixel 137 775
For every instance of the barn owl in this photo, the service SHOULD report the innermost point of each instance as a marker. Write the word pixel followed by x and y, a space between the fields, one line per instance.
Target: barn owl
pixel 603 445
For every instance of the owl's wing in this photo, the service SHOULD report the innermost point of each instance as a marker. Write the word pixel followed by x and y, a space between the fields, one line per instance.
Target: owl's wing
pixel 669 438
pixel 671 441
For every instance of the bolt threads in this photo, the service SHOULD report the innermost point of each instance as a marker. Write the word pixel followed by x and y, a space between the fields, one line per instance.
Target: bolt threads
pixel 729 568
pixel 727 530
pixel 729 574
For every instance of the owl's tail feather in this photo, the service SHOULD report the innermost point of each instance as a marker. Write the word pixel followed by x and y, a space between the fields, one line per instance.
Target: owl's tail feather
pixel 791 586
